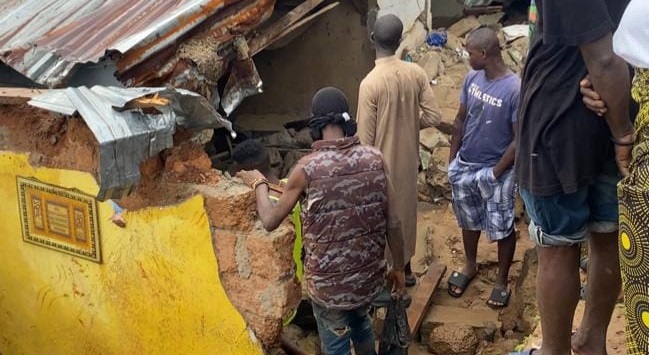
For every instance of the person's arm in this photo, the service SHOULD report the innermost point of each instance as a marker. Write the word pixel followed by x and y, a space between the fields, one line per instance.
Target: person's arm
pixel 458 132
pixel 507 160
pixel 395 240
pixel 366 115
pixel 610 77
pixel 431 115
pixel 271 216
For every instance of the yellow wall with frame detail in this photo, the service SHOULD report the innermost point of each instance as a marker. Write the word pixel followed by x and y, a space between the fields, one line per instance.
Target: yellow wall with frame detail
pixel 157 290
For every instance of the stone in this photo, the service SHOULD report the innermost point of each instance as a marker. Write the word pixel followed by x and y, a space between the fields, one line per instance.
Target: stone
pixel 303 138
pixel 452 339
pixel 412 39
pixel 290 159
pixel 273 252
pixel 230 205
pixel 464 26
pixel 224 243
pixel 431 62
pixel 491 19
pixel 437 173
pixel 474 318
pixel 432 138
pixel 453 42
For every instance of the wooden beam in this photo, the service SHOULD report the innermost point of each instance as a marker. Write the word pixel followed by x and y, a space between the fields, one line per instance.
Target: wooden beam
pixel 17 96
pixel 270 34
pixel 27 93
pixel 296 30
pixel 423 295
pixel 305 21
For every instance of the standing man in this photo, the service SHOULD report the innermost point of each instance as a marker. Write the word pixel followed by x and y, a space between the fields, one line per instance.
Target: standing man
pixel 395 101
pixel 347 217
pixel 482 174
pixel 567 167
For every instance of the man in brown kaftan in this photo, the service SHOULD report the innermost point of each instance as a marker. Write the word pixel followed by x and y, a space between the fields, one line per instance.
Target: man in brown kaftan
pixel 396 101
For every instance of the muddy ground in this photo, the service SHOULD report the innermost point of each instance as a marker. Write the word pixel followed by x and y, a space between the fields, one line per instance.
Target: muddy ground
pixel 466 326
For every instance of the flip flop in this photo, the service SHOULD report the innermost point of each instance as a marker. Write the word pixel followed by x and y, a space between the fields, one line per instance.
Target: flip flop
pixel 459 280
pixel 499 296
pixel 526 352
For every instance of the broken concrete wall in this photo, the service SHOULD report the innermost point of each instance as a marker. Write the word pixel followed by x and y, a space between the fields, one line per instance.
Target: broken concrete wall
pixel 255 267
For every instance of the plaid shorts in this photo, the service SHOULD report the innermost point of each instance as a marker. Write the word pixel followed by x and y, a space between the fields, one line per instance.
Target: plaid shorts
pixel 480 201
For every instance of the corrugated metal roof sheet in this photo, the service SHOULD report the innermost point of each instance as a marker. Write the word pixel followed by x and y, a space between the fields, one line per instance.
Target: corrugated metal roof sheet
pixel 46 39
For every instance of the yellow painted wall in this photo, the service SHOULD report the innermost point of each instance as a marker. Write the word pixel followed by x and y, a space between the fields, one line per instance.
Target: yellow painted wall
pixel 156 292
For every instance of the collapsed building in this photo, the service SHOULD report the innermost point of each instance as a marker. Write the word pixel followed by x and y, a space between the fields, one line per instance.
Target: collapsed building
pixel 117 100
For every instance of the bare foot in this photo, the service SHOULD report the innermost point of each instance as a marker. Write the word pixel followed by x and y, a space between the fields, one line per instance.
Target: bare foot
pixel 580 346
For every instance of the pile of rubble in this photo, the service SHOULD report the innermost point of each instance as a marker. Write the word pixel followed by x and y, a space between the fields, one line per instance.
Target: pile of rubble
pixel 286 147
pixel 446 67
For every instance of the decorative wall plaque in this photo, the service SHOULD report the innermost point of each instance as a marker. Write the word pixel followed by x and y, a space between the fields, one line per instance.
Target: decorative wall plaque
pixel 58 218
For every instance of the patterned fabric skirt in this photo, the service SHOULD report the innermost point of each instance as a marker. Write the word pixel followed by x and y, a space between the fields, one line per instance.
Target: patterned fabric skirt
pixel 633 192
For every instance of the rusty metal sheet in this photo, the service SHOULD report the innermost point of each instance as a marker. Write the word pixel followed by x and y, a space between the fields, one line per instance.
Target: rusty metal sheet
pixel 45 40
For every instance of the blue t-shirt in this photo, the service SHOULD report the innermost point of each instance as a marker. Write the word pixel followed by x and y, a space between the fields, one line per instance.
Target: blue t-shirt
pixel 492 108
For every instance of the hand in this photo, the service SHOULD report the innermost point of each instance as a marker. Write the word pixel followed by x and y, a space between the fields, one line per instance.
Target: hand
pixel 623 153
pixel 496 172
pixel 591 98
pixel 398 280
pixel 249 177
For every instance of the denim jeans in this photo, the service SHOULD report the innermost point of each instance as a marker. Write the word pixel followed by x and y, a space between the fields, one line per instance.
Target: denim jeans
pixel 337 329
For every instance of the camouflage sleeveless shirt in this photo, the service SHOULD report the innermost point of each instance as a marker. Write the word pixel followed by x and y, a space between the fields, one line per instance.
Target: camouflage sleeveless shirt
pixel 344 221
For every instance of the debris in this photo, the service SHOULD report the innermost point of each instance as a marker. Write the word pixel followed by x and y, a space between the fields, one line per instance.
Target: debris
pixel 244 80
pixel 481 10
pixel 491 19
pixel 127 137
pixel 464 26
pixel 431 62
pixel 515 31
pixel 453 339
pixel 412 39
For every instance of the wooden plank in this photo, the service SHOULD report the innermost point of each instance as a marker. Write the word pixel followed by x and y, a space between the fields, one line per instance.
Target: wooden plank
pixel 423 295
pixel 27 93
pixel 17 96
pixel 294 31
pixel 270 34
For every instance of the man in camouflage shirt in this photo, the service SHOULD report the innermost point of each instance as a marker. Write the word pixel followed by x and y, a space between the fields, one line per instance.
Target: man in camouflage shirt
pixel 348 216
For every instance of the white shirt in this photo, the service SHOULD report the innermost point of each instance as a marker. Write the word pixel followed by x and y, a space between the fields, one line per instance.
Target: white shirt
pixel 631 40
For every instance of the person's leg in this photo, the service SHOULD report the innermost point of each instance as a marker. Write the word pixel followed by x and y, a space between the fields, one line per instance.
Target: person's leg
pixel 362 332
pixel 506 249
pixel 334 330
pixel 557 292
pixel 557 226
pixel 604 280
pixel 411 280
pixel 470 241
pixel 469 209
pixel 500 228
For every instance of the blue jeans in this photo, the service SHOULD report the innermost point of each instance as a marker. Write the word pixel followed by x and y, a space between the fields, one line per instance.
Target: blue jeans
pixel 338 328
pixel 565 219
